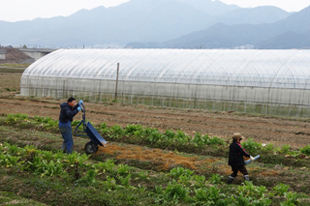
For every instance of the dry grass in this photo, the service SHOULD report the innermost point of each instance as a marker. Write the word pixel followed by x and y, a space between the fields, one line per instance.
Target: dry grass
pixel 10 82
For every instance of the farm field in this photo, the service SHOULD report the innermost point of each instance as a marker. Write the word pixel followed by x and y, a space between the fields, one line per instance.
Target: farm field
pixel 142 165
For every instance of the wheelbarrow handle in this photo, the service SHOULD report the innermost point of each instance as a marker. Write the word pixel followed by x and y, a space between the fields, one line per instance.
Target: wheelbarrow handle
pixel 84 111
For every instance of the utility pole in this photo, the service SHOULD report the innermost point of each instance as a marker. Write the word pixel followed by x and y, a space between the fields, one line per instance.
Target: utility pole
pixel 115 98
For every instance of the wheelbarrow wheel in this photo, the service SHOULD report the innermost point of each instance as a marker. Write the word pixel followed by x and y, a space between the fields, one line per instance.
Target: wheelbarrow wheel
pixel 91 148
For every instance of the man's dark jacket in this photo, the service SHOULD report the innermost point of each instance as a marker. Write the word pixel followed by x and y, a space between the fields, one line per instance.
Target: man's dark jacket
pixel 67 112
pixel 236 153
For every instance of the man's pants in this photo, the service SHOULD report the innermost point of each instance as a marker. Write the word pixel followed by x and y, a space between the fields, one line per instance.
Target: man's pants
pixel 66 132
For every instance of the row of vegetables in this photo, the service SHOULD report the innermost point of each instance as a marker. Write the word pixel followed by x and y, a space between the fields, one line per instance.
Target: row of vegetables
pixel 152 137
pixel 178 186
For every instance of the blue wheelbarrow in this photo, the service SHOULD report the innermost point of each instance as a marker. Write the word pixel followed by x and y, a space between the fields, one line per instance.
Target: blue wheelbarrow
pixel 96 139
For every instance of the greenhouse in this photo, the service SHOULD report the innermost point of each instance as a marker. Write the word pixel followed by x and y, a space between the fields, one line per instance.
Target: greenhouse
pixel 275 82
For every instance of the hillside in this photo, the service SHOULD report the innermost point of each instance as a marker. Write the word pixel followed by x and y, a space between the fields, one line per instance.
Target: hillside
pixel 292 32
pixel 134 21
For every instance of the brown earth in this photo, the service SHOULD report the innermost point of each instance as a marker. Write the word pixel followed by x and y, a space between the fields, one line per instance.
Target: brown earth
pixel 263 129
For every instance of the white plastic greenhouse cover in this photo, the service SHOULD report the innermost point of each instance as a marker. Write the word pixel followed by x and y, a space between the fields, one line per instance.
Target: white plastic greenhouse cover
pixel 254 68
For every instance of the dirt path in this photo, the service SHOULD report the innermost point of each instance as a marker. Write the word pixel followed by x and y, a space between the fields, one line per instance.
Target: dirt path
pixel 276 130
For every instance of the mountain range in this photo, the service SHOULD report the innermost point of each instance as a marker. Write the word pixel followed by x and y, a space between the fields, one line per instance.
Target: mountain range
pixel 291 32
pixel 165 23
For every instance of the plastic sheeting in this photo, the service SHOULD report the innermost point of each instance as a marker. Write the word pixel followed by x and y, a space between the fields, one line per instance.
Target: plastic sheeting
pixel 261 68
pixel 277 77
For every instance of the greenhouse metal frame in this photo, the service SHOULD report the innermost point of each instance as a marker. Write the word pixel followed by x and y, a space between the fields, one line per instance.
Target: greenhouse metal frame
pixel 274 82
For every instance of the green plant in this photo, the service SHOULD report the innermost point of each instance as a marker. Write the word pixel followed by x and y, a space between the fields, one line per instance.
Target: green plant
pixel 280 189
pixel 285 149
pixel 178 171
pixel 305 150
pixel 103 128
pixel 123 170
pixel 186 180
pixel 144 175
pixel 216 141
pixel 13 149
pixel 251 146
pixel 75 157
pixel 117 131
pixel 211 196
pixel 176 192
pixel 291 199
pixel 104 166
pixel 125 180
pixel 182 137
pixel 169 135
pixel 158 189
pixel 199 180
pixel 200 140
pixel 269 147
pixel 154 136
pixel 8 160
pixel 89 179
pixel 215 179
pixel 131 129
pixel 110 183
pixel 75 123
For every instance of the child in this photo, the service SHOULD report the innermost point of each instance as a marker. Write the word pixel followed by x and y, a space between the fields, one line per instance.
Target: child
pixel 236 161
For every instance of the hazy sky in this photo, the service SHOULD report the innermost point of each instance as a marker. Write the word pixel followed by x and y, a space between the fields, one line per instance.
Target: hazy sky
pixel 16 10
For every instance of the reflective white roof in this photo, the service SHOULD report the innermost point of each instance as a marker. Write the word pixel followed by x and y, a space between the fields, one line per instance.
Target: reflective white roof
pixel 262 68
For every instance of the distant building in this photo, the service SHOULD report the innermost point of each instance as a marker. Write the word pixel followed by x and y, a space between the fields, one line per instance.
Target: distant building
pixel 3 53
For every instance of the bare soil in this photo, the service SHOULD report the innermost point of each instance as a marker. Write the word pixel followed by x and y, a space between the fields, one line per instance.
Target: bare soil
pixel 222 124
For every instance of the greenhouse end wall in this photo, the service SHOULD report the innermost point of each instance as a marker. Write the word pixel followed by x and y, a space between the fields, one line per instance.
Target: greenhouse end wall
pixel 275 82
